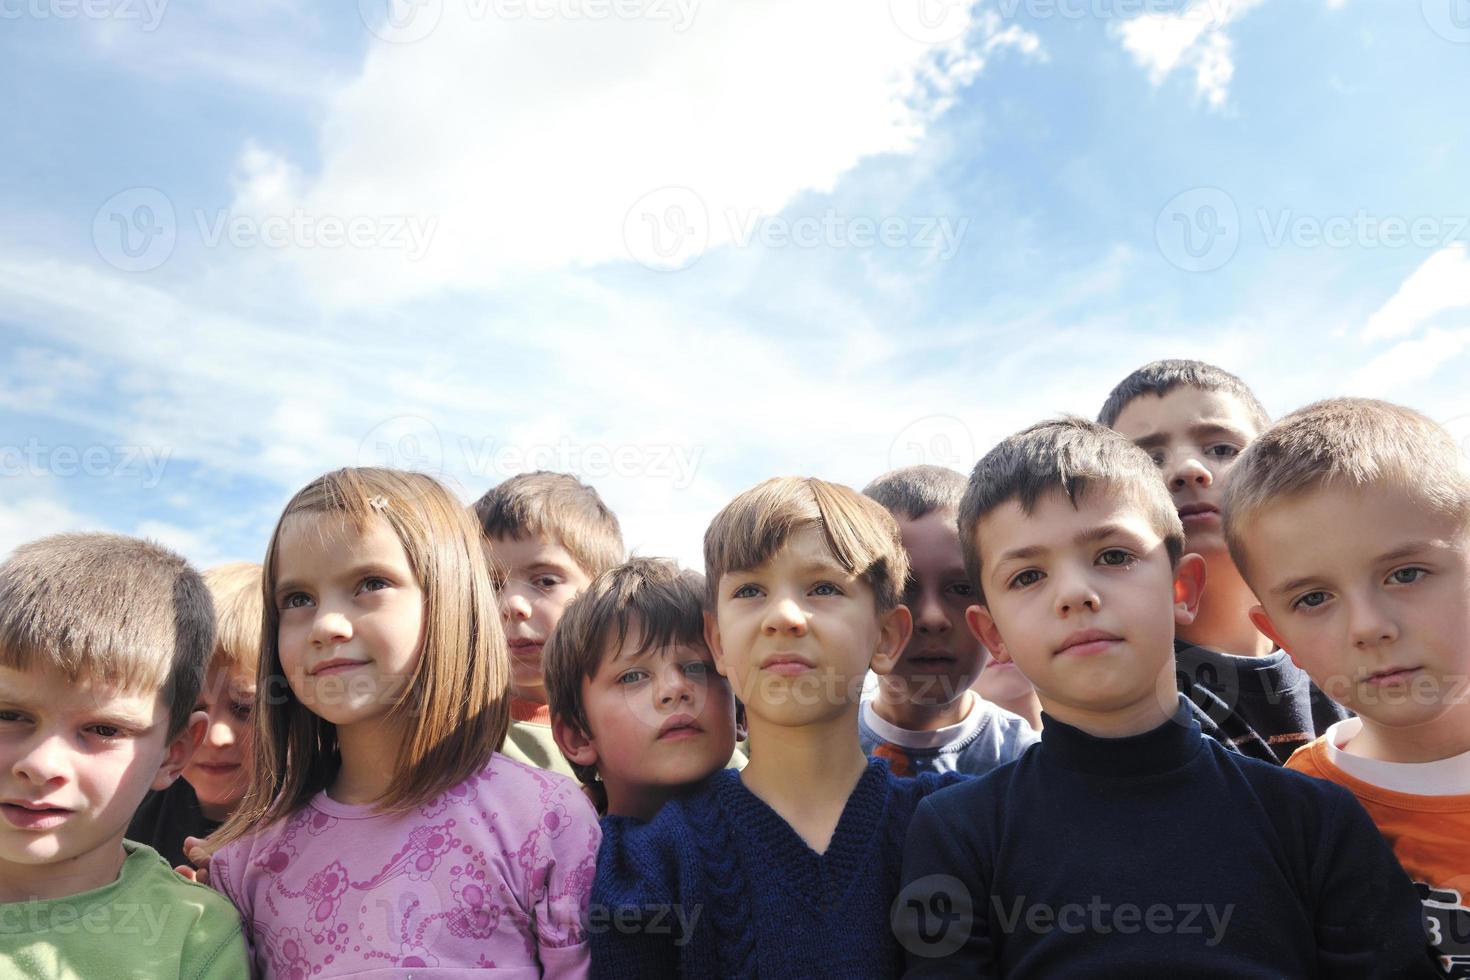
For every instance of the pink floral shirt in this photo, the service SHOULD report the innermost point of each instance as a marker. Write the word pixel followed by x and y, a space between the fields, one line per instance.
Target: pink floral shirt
pixel 492 875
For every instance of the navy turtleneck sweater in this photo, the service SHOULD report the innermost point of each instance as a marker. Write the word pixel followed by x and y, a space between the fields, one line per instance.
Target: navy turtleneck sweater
pixel 1160 853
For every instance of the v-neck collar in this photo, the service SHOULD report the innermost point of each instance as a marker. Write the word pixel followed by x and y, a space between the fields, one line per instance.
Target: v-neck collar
pixel 820 878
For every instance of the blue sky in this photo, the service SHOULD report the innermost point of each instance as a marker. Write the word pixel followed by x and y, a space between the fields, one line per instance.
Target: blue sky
pixel 682 245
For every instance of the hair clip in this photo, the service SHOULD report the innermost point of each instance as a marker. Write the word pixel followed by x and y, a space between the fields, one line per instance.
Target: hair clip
pixel 379 502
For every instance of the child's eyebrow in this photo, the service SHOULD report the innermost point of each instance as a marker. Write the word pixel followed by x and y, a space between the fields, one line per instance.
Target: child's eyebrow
pixel 1088 536
pixel 1199 431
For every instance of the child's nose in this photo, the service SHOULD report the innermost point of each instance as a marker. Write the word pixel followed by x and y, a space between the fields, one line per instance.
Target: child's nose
pixel 1188 468
pixel 785 616
pixel 513 606
pixel 330 627
pixel 220 734
pixel 43 761
pixel 930 617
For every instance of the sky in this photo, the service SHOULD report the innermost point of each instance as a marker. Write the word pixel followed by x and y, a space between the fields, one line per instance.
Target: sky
pixel 679 246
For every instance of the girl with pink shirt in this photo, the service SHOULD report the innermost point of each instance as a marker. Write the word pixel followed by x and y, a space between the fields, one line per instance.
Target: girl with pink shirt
pixel 383 834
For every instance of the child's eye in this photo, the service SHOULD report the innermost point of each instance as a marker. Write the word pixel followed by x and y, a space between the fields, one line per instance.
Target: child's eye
pixel 242 711
pixel 826 588
pixel 108 732
pixel 375 583
pixel 696 668
pixel 296 600
pixel 1222 450
pixel 10 716
pixel 632 676
pixel 1115 557
pixel 1158 456
pixel 545 582
pixel 1407 576
pixel 1310 601
pixel 1022 579
pixel 746 592
pixel 962 589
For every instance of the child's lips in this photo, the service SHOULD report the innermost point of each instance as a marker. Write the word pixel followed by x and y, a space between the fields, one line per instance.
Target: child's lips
pixel 34 816
pixel 218 768
pixel 1397 676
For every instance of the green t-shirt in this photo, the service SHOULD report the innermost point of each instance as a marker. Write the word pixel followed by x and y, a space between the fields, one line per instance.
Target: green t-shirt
pixel 149 924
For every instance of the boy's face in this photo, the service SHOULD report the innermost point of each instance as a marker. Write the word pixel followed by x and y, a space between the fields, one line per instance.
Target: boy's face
pixel 797 635
pixel 540 579
pixel 1378 616
pixel 942 658
pixel 76 760
pixel 219 770
pixel 1084 601
pixel 660 720
pixel 1194 437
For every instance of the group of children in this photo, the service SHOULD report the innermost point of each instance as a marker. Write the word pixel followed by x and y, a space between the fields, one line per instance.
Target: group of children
pixel 1061 717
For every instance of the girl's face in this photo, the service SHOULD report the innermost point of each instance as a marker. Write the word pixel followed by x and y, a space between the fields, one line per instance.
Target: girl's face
pixel 351 617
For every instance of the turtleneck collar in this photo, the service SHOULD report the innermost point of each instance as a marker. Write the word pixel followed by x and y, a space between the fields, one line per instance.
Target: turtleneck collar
pixel 1159 750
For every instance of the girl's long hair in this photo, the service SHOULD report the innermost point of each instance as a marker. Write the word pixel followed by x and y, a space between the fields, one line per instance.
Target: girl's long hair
pixel 455 703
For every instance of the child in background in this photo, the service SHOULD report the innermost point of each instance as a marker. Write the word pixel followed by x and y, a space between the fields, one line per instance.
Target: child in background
pixel 636 704
pixel 1194 419
pixel 382 831
pixel 790 866
pixel 1379 616
pixel 1127 844
pixel 1003 685
pixel 215 778
pixel 925 717
pixel 548 536
pixel 103 642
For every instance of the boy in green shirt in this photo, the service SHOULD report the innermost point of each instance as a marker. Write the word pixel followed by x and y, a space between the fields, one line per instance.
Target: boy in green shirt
pixel 103 645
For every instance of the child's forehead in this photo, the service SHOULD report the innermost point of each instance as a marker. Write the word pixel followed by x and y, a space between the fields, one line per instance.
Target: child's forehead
pixel 1057 520
pixel 805 549
pixel 1182 410
pixel 527 550
pixel 54 691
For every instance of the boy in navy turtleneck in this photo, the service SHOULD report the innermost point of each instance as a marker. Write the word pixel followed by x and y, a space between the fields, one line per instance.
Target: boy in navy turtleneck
pixel 1127 844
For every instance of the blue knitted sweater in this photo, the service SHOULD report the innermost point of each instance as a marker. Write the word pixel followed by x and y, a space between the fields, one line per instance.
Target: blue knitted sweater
pixel 719 885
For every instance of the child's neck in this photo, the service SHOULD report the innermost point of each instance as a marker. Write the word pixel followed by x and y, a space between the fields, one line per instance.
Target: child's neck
pixel 894 706
pixel 369 749
pixel 1144 715
pixel 806 773
pixel 48 882
pixel 1443 738
pixel 1223 620
pixel 642 802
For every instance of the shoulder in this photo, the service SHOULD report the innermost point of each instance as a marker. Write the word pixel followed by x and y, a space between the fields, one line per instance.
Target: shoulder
pixel 1310 758
pixel 1286 794
pixel 145 871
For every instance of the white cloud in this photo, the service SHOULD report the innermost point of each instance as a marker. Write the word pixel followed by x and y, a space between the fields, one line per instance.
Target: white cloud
pixel 526 142
pixel 1441 283
pixel 28 518
pixel 1192 39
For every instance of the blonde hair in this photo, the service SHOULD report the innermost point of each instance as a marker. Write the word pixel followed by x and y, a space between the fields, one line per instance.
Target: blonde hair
pixel 121 610
pixel 236 590
pixel 557 506
pixel 1345 442
pixel 456 697
pixel 861 535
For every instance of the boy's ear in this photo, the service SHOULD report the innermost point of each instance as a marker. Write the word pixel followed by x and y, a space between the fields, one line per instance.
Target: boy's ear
pixel 1261 621
pixel 894 630
pixel 180 750
pixel 574 743
pixel 982 624
pixel 1189 585
pixel 712 640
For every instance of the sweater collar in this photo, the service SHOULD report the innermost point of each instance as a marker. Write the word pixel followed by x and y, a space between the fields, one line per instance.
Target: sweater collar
pixel 1160 750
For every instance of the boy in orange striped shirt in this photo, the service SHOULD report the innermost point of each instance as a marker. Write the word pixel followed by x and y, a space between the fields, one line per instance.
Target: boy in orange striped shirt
pixel 1350 519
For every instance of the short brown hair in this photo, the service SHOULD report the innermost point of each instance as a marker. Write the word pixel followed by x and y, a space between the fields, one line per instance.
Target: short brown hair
pixel 557 506
pixel 861 535
pixel 914 491
pixel 1069 454
pixel 1161 377
pixel 122 610
pixel 456 698
pixel 1345 442
pixel 238 612
pixel 650 597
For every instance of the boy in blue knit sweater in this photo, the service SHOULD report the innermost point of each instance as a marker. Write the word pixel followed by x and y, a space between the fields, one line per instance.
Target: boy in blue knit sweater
pixel 789 867
pixel 1127 843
